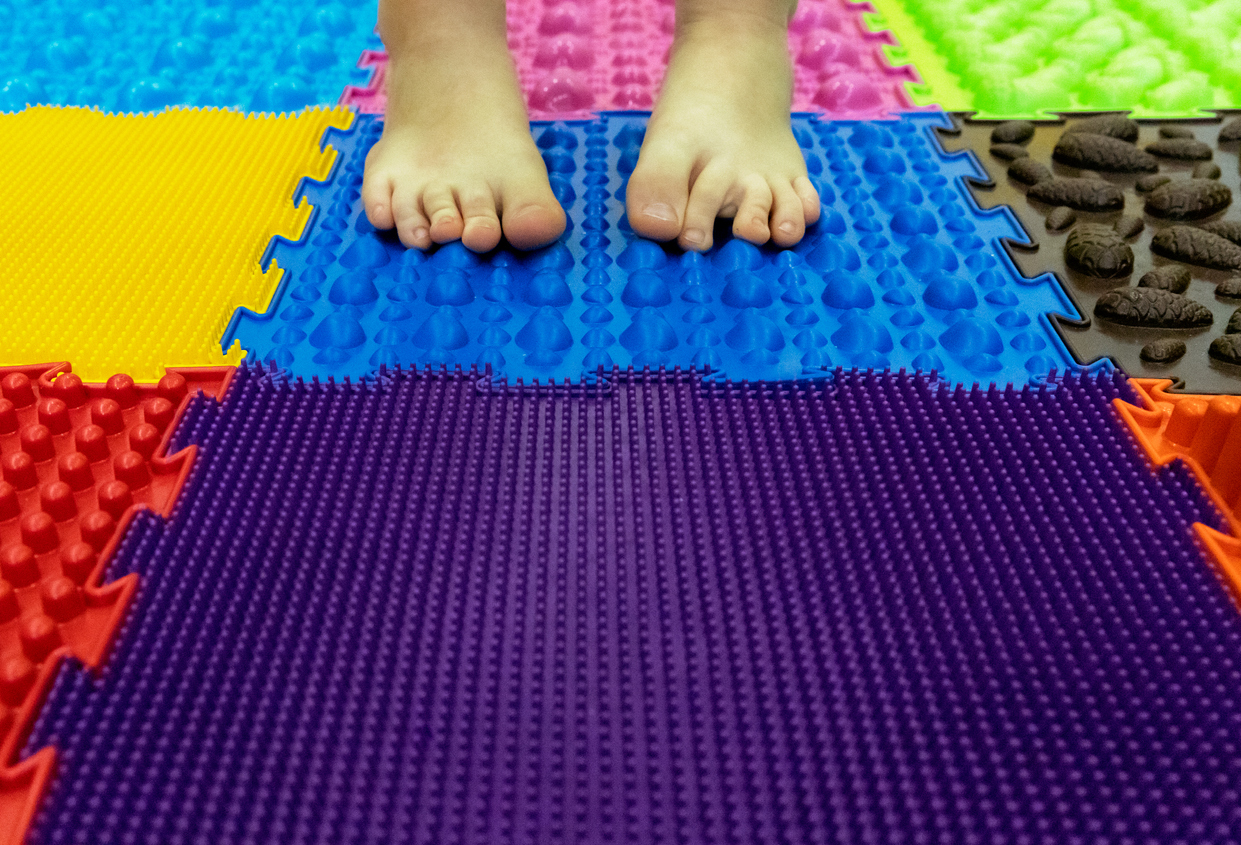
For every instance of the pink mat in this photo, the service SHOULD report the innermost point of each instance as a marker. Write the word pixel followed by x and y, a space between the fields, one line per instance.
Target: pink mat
pixel 578 56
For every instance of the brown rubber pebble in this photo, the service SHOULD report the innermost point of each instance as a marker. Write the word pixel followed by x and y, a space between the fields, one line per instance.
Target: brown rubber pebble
pixel 1226 349
pixel 1012 132
pixel 1229 288
pixel 1163 351
pixel 1029 171
pixel 1151 308
pixel 1190 199
pixel 1097 250
pixel 1009 152
pixel 1197 246
pixel 1230 229
pixel 1231 131
pixel 1115 125
pixel 1207 170
pixel 1234 323
pixel 1130 227
pixel 1081 194
pixel 1173 277
pixel 1175 132
pixel 1181 149
pixel 1060 219
pixel 1103 152
pixel 1146 184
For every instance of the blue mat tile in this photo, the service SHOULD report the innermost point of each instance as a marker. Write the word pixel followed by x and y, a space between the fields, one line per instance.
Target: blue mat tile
pixel 148 54
pixel 902 271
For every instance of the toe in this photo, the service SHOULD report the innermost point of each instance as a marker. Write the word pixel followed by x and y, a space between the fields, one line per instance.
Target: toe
pixel 809 199
pixel 411 225
pixel 788 215
pixel 481 230
pixel 658 192
pixel 750 221
pixel 377 198
pixel 530 215
pixel 710 190
pixel 439 204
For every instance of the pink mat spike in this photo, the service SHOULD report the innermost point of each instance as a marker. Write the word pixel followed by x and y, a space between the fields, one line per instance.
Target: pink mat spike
pixel 578 56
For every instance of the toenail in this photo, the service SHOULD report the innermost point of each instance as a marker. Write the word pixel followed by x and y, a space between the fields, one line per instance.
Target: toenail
pixel 695 236
pixel 661 211
pixel 788 228
pixel 420 233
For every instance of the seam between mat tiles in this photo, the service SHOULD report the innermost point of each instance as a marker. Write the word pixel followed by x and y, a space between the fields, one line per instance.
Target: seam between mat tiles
pixel 304 183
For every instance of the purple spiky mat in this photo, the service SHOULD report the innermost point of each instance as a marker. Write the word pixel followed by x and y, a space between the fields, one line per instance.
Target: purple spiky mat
pixel 862 609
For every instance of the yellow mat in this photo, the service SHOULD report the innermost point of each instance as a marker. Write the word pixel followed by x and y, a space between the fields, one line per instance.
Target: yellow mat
pixel 129 240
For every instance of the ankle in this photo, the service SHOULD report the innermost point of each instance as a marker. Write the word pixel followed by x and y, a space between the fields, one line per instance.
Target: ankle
pixel 408 27
pixel 717 21
pixel 454 48
pixel 733 57
pixel 451 82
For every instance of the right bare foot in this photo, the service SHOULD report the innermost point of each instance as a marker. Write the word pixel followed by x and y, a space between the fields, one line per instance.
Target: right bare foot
pixel 456 159
pixel 720 143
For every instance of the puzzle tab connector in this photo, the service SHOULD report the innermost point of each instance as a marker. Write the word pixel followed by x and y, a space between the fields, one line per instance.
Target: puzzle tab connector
pixel 77 462
pixel 1205 433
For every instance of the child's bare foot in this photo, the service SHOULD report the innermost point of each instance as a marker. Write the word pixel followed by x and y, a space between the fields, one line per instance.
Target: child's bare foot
pixel 720 143
pixel 456 159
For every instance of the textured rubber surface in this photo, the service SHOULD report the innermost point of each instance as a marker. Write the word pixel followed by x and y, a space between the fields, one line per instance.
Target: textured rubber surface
pixel 862 609
pixel 155 234
pixel 901 271
pixel 1105 259
pixel 935 83
pixel 1029 58
pixel 583 55
pixel 77 462
pixel 144 55
pixel 1205 433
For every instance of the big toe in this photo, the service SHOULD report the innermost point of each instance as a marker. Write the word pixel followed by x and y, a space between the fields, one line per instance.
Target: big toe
pixel 657 195
pixel 531 216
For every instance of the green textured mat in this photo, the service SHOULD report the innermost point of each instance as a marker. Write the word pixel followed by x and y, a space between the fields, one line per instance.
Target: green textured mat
pixel 1002 58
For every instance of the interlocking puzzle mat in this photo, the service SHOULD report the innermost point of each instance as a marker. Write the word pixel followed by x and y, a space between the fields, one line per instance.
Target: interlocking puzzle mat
pixel 413 611
pixel 609 54
pixel 78 462
pixel 1030 58
pixel 935 84
pixel 1138 222
pixel 136 261
pixel 144 55
pixel 1204 432
pixel 901 271
pixel 452 607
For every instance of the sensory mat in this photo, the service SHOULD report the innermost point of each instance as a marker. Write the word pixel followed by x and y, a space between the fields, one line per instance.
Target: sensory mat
pixel 1202 432
pixel 925 529
pixel 140 266
pixel 411 610
pixel 1030 58
pixel 589 55
pixel 1138 221
pixel 902 270
pixel 78 462
pixel 145 55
